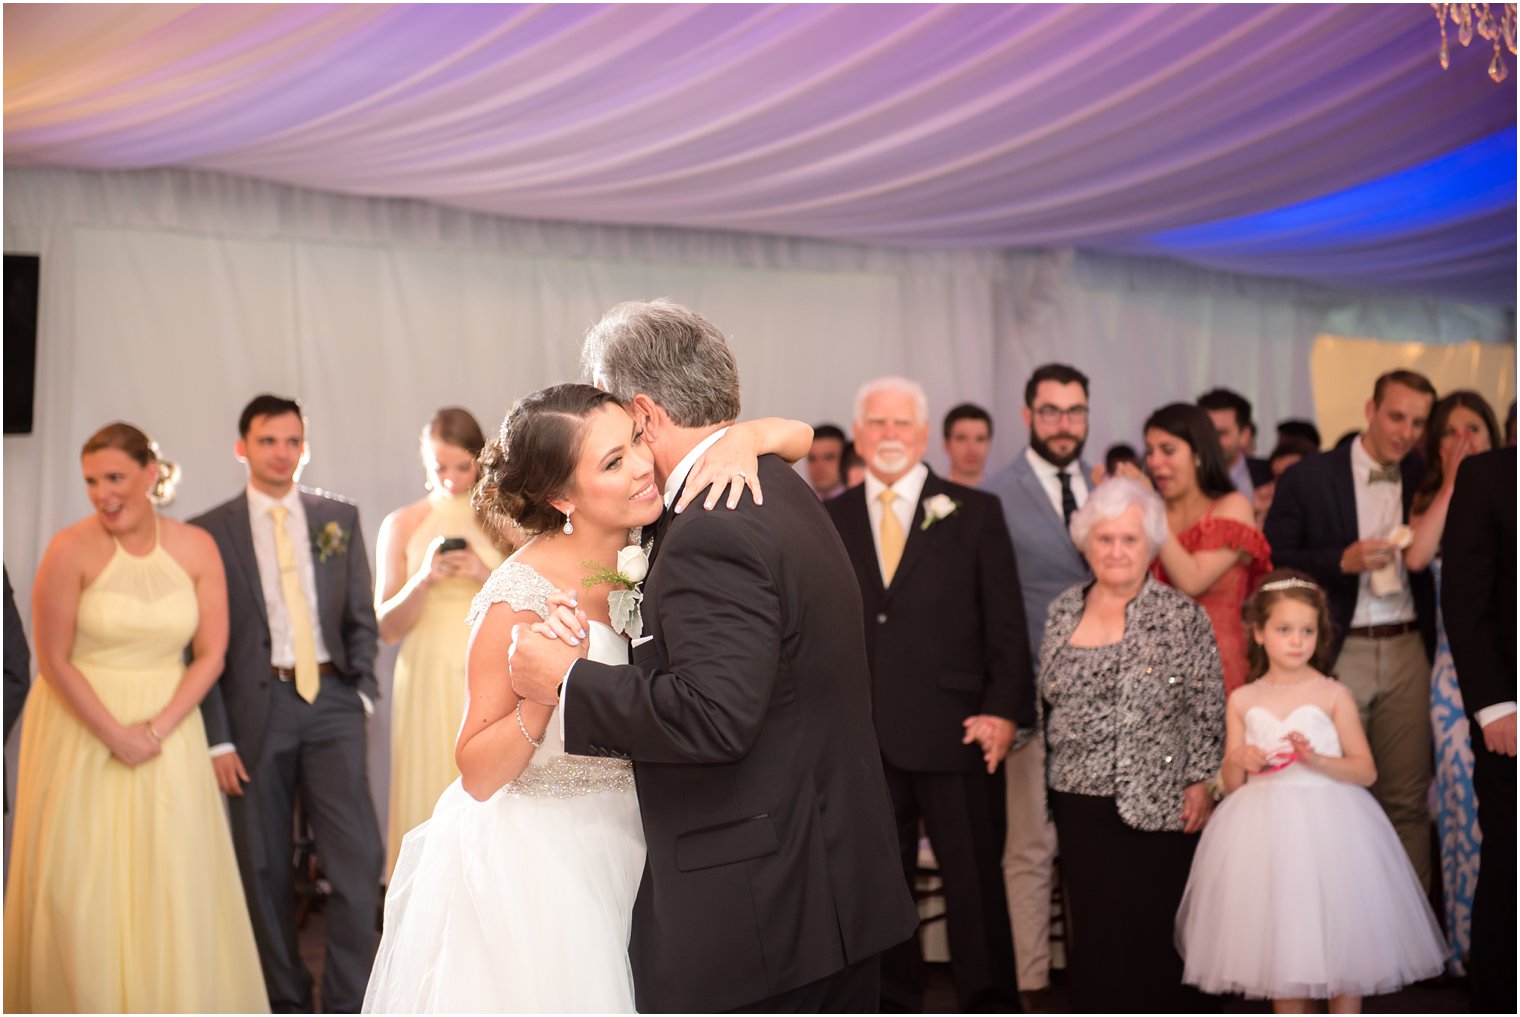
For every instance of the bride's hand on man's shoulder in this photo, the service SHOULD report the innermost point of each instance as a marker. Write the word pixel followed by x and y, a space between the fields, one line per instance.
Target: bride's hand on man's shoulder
pixel 730 464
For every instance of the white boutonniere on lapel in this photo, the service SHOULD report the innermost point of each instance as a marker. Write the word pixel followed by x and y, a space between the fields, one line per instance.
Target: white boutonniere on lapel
pixel 623 603
pixel 939 507
pixel 329 541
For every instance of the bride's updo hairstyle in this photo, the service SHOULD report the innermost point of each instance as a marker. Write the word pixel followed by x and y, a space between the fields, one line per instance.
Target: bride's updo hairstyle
pixel 144 450
pixel 534 457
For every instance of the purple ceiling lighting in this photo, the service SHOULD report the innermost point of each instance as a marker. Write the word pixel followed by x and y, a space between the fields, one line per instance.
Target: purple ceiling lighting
pixel 929 126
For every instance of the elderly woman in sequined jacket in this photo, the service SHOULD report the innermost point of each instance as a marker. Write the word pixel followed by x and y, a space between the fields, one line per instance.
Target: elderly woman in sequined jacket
pixel 1132 694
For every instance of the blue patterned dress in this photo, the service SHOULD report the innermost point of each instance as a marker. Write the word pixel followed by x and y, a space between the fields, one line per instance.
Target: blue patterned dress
pixel 1455 805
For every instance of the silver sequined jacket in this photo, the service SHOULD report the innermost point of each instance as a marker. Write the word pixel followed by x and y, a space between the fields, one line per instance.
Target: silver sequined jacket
pixel 1169 721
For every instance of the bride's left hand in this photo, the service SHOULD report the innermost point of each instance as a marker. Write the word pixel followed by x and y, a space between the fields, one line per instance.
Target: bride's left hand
pixel 565 620
pixel 731 462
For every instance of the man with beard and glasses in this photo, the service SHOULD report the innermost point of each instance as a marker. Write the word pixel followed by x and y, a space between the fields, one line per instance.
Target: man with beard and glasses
pixel 951 685
pixel 1045 484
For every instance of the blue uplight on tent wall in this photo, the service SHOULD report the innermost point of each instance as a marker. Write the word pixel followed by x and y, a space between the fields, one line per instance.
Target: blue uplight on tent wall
pixel 1471 181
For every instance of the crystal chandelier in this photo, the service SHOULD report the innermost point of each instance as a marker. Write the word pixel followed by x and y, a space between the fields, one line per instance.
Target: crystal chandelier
pixel 1480 18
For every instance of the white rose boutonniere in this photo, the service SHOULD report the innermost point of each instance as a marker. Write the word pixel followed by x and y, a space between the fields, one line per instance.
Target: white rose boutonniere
pixel 633 563
pixel 623 603
pixel 937 508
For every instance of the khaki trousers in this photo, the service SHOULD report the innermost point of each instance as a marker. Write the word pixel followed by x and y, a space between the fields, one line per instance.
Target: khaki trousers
pixel 1028 863
pixel 1390 680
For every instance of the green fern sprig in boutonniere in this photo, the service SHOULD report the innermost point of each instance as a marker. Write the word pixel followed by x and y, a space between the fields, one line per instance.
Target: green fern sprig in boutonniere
pixel 623 603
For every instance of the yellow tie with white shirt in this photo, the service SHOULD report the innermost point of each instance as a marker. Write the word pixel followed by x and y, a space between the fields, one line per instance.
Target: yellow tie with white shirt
pixel 303 641
pixel 892 538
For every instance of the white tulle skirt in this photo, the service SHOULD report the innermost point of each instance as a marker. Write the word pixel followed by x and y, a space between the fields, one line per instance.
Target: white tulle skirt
pixel 515 904
pixel 1302 890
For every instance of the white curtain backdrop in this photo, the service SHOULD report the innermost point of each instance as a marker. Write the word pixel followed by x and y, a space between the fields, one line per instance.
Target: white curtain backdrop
pixel 170 297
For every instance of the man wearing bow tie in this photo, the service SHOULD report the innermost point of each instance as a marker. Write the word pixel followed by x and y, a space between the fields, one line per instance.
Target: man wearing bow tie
pixel 1333 516
pixel 951 683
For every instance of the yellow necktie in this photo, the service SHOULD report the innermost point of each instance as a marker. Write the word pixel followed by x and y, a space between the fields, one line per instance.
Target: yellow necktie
pixel 302 640
pixel 892 539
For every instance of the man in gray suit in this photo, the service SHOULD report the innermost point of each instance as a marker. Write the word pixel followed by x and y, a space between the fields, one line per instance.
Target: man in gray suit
pixel 1039 491
pixel 288 716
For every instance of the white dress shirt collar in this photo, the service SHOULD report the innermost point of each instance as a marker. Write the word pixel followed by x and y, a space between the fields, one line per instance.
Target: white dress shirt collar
pixel 1049 476
pixel 1362 462
pixel 907 488
pixel 260 503
pixel 1240 476
pixel 678 475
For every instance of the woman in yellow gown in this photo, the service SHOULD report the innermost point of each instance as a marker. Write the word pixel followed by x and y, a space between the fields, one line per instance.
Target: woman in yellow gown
pixel 423 593
pixel 124 895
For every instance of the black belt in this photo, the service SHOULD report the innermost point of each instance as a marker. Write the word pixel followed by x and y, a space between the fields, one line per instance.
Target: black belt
pixel 288 674
pixel 1385 631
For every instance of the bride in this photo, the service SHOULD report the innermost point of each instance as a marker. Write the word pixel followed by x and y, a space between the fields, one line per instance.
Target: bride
pixel 517 895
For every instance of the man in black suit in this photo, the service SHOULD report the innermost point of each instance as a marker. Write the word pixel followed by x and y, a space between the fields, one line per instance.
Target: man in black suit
pixel 18 660
pixel 770 882
pixel 288 715
pixel 1478 603
pixel 18 667
pixel 1333 516
pixel 1231 413
pixel 951 682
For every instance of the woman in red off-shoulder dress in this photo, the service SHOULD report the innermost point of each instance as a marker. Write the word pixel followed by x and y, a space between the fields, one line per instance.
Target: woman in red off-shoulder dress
pixel 1214 553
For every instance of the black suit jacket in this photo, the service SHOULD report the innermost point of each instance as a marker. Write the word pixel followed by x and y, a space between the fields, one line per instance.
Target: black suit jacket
pixel 1313 519
pixel 772 859
pixel 18 659
pixel 1478 579
pixel 1260 470
pixel 947 639
pixel 237 707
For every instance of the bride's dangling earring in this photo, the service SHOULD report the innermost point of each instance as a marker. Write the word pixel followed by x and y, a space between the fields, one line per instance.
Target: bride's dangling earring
pixel 567 527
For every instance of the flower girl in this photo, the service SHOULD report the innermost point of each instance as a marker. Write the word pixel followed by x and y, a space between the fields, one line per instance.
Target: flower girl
pixel 1300 889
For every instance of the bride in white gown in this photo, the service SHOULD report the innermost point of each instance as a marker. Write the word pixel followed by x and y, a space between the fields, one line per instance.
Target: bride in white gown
pixel 517 895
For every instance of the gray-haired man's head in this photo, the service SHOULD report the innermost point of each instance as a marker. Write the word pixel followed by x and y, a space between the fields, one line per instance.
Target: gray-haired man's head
pixel 669 353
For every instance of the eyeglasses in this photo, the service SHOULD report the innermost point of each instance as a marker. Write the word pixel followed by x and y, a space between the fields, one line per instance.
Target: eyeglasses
pixel 1051 414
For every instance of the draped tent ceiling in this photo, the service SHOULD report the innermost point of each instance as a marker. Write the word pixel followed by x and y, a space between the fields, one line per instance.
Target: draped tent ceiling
pixel 1317 142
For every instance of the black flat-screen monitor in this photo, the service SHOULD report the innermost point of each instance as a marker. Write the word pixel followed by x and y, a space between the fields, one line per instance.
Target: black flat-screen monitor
pixel 22 272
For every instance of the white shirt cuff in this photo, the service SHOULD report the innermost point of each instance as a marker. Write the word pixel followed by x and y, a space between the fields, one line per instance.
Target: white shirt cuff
pixel 1498 711
pixel 221 749
pixel 368 704
pixel 564 690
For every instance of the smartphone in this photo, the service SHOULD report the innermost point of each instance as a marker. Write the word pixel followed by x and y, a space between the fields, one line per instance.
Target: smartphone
pixel 453 544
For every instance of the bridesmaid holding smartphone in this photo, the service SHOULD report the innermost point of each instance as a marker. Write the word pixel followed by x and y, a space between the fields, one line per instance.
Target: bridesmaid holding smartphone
pixel 431 559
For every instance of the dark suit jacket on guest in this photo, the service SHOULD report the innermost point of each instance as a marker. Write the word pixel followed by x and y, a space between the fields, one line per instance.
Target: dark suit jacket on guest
pixel 1313 519
pixel 772 859
pixel 18 659
pixel 1478 580
pixel 236 707
pixel 947 639
pixel 1260 470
